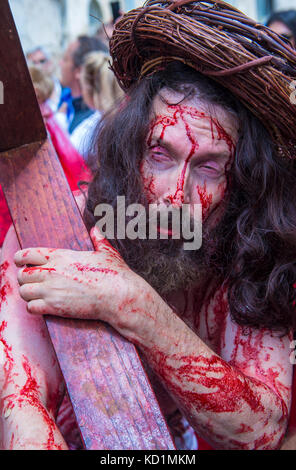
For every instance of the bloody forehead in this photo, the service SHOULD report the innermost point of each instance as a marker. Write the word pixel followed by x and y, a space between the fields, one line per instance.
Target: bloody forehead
pixel 172 114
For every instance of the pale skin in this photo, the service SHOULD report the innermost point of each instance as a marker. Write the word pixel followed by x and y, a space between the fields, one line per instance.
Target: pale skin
pixel 70 75
pixel 26 357
pixel 233 387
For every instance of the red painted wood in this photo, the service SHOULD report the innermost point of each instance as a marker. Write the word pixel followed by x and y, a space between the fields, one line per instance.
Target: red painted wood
pixel 113 401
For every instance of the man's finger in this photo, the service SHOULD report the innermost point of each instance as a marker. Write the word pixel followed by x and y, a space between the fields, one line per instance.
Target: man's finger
pixel 39 307
pixel 32 275
pixel 34 256
pixel 30 292
pixel 99 241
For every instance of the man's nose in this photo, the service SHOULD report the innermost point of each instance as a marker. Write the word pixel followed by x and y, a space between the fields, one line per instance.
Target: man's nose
pixel 178 192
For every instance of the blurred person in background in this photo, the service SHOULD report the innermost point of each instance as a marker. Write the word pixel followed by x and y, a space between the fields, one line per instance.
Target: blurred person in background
pixel 77 110
pixel 284 24
pixel 105 32
pixel 100 92
pixel 41 58
pixel 71 161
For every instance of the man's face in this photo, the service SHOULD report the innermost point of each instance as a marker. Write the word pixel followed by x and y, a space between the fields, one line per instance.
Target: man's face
pixel 283 30
pixel 189 150
pixel 188 153
pixel 69 73
pixel 39 59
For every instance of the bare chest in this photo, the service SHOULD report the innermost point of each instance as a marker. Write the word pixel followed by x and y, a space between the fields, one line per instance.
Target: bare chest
pixel 205 313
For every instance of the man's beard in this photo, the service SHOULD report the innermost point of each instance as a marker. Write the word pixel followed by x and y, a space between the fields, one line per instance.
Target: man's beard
pixel 165 265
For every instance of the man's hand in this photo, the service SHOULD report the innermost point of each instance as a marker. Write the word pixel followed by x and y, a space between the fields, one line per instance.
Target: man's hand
pixel 87 285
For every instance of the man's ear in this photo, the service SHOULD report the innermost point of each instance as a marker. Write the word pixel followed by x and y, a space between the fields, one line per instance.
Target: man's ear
pixel 77 73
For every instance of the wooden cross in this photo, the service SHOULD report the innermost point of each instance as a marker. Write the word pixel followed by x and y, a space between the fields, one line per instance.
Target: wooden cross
pixel 112 399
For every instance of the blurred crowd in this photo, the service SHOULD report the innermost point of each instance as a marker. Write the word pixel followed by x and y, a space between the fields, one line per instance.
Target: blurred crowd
pixel 74 96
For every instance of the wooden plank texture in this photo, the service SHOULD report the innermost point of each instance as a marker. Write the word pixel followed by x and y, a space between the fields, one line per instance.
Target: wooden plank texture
pixel 113 401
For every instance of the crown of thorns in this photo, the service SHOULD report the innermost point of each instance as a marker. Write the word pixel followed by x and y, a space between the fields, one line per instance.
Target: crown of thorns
pixel 219 41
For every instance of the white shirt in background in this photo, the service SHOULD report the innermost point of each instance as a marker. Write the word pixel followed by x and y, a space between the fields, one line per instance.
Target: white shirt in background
pixel 81 137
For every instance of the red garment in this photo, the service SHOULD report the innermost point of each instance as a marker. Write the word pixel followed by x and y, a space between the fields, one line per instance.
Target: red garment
pixel 203 445
pixel 72 162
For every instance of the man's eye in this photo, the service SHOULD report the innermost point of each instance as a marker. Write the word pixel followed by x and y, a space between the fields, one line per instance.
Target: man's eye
pixel 158 155
pixel 210 170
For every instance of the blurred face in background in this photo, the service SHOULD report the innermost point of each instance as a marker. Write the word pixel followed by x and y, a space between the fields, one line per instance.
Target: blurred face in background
pixel 40 59
pixel 86 91
pixel 69 73
pixel 283 30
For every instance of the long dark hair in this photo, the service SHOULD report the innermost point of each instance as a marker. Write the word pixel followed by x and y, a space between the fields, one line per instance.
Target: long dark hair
pixel 256 240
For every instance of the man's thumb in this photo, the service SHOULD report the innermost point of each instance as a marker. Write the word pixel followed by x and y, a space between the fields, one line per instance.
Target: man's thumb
pixel 97 238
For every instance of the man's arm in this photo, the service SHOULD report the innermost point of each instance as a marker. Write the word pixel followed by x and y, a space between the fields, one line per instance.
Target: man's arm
pixel 238 399
pixel 230 404
pixel 31 386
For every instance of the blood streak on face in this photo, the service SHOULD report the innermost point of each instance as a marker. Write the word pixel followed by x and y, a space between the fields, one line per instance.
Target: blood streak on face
pixel 205 200
pixel 149 186
pixel 179 113
pixel 190 141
